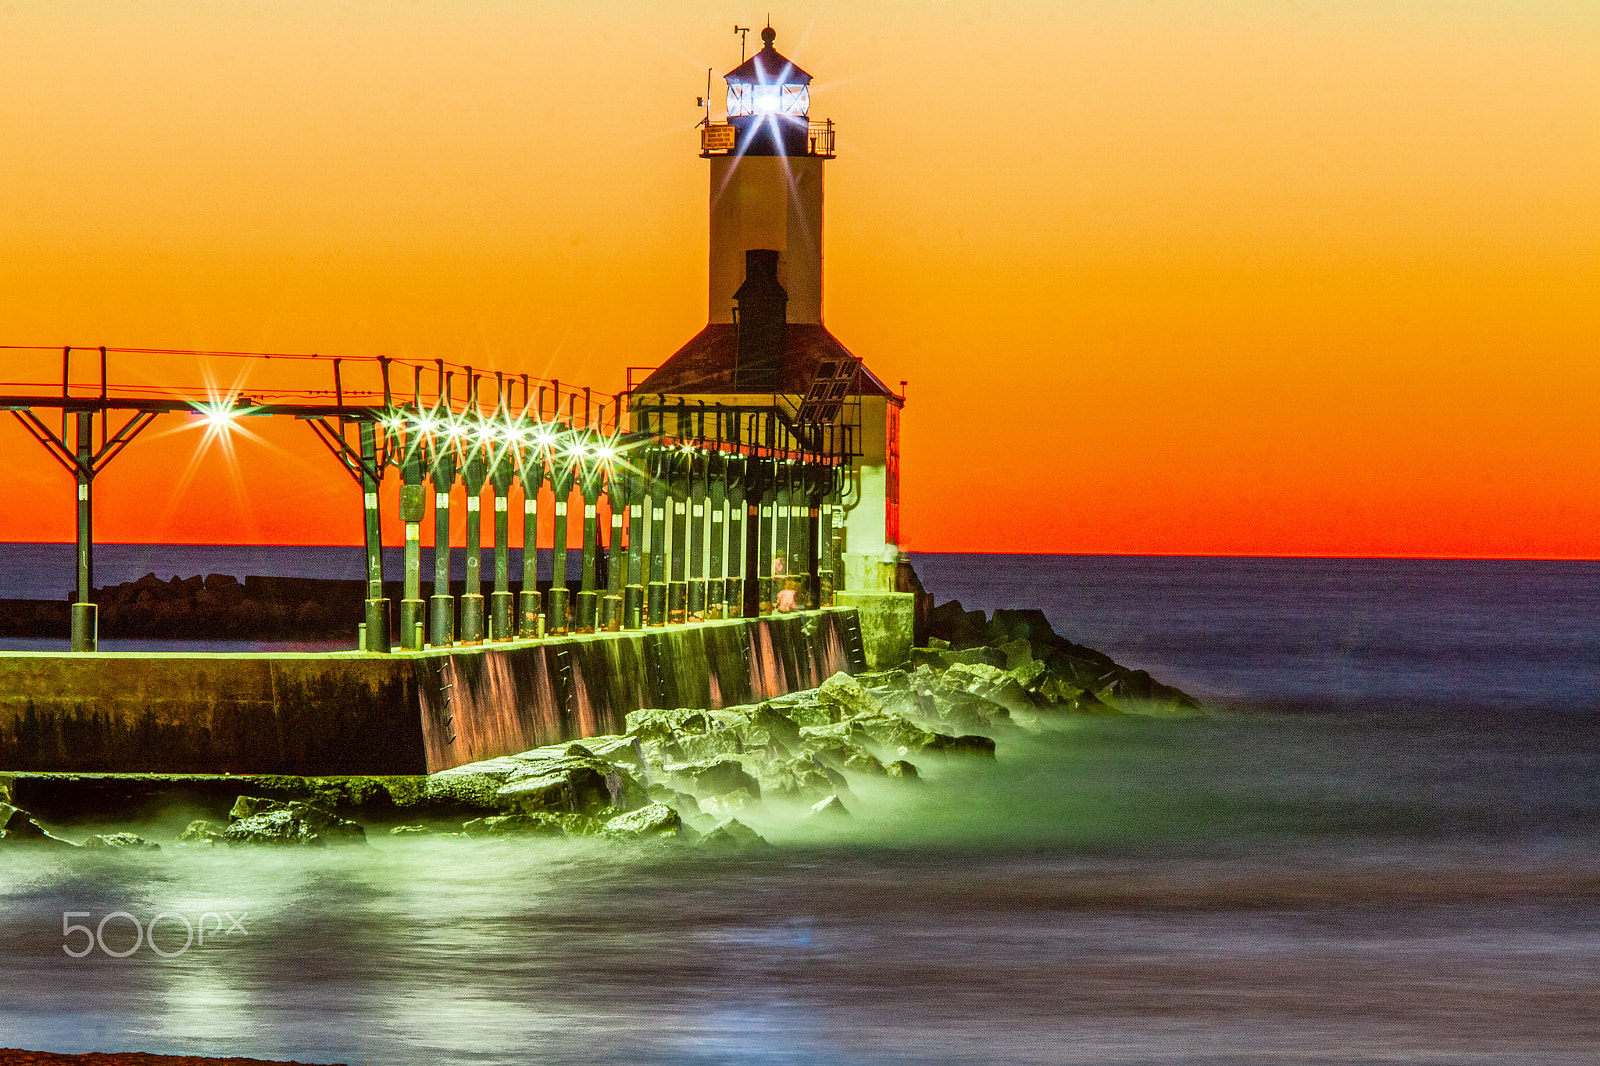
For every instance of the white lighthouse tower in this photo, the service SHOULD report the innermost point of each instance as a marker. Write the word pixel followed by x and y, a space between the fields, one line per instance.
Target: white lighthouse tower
pixel 766 227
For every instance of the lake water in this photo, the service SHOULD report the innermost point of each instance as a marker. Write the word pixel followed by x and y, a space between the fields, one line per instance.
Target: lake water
pixel 1384 848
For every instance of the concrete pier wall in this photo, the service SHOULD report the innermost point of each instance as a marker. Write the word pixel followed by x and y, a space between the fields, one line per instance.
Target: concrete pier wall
pixel 477 704
pixel 350 713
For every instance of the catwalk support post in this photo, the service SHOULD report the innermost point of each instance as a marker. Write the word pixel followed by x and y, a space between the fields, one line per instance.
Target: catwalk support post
pixel 377 606
pixel 85 615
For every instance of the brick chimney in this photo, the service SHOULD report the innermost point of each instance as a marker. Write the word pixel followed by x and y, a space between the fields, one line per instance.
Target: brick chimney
pixel 761 313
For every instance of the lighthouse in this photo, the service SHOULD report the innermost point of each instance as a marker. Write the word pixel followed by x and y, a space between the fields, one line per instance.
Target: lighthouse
pixel 764 341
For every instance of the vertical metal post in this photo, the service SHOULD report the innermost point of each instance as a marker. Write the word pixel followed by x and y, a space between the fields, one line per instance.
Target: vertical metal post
pixel 85 615
pixel 501 601
pixel 556 603
pixel 764 536
pixel 825 574
pixel 717 522
pixel 699 467
pixel 616 574
pixel 734 586
pixel 442 606
pixel 413 505
pixel 530 608
pixel 633 589
pixel 802 513
pixel 588 606
pixel 473 475
pixel 377 613
pixel 677 582
pixel 660 465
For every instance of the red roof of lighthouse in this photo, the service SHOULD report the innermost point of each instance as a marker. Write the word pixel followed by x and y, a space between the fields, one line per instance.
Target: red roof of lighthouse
pixel 705 364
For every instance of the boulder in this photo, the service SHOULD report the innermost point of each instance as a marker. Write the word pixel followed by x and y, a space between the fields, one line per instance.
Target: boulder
pixel 963 745
pixel 681 802
pixel 201 831
pixel 827 810
pixel 291 823
pixel 18 827
pixel 732 835
pixel 569 779
pixel 954 623
pixel 803 707
pixel 121 840
pixel 776 726
pixel 500 825
pixel 656 820
pixel 847 698
pixel 739 801
pixel 718 777
pixel 1010 625
pixel 901 769
pixel 409 830
pixel 1017 653
pixel 654 724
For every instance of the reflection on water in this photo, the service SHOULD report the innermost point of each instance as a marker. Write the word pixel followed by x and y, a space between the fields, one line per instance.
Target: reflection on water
pixel 1314 889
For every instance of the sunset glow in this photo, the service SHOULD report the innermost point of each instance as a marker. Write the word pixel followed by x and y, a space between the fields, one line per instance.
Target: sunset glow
pixel 1246 276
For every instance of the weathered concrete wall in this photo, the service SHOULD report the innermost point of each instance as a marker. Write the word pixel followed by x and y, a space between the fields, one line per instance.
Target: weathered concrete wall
pixel 348 713
pixel 294 714
pixel 477 704
pixel 887 621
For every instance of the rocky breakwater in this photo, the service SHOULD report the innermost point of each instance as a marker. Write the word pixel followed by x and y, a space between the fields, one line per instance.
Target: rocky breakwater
pixel 716 777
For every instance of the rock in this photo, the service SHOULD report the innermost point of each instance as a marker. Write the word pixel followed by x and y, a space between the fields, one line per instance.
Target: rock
pixel 884 681
pixel 201 831
pixel 804 708
pixel 963 745
pixel 653 724
pixel 121 840
pixel 500 825
pixel 894 732
pixel 1009 625
pixel 732 835
pixel 18 826
pixel 901 769
pixel 717 778
pixel 294 823
pixel 469 787
pixel 656 820
pixel 681 802
pixel 796 778
pixel 834 751
pixel 777 725
pixel 408 830
pixel 1017 652
pixel 829 809
pixel 847 698
pixel 864 762
pixel 954 623
pixel 573 782
pixel 737 802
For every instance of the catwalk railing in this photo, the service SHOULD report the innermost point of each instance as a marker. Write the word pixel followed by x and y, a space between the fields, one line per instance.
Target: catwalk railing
pixel 689 512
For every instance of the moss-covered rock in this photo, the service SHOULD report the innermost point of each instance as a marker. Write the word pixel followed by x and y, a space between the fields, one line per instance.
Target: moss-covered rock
pixel 121 841
pixel 732 835
pixel 255 820
pixel 847 698
pixel 18 827
pixel 716 777
pixel 656 820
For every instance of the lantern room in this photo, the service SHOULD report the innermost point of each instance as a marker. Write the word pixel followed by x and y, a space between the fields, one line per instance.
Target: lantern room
pixel 769 103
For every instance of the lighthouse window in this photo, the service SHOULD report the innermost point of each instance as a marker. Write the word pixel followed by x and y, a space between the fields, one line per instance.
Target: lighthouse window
pixel 747 99
pixel 796 100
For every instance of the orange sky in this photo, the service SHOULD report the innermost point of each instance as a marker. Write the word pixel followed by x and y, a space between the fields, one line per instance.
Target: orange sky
pixel 1178 277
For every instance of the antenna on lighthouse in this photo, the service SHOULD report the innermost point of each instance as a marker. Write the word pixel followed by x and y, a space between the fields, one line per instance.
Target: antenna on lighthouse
pixel 742 31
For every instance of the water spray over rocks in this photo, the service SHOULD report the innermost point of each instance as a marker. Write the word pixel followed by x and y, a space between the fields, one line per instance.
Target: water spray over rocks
pixel 707 776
